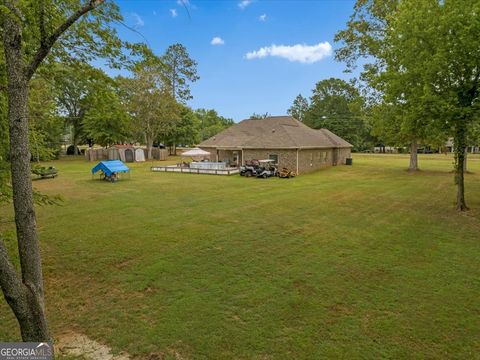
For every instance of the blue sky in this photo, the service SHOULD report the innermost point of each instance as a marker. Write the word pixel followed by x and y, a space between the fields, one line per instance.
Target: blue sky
pixel 246 69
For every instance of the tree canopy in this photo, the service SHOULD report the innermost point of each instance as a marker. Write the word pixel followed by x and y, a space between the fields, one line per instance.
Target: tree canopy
pixel 338 106
pixel 150 104
pixel 299 108
pixel 106 120
pixel 179 70
pixel 210 123
pixel 421 68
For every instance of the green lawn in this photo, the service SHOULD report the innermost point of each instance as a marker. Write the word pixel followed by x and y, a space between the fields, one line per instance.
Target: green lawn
pixel 367 261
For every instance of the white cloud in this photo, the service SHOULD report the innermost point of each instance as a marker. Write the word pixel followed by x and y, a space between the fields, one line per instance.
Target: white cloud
pixel 244 3
pixel 307 54
pixel 173 12
pixel 217 41
pixel 262 17
pixel 138 20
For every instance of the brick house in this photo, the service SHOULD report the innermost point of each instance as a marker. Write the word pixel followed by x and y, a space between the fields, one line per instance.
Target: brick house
pixel 288 141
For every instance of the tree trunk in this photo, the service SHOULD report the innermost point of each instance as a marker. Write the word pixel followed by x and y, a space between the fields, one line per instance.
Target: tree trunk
pixel 22 300
pixel 459 177
pixel 76 135
pixel 28 299
pixel 149 150
pixel 75 152
pixel 460 164
pixel 413 156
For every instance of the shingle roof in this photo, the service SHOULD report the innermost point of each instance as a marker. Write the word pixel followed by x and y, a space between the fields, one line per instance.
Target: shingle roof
pixel 274 132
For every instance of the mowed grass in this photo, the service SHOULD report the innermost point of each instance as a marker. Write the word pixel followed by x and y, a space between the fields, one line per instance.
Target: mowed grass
pixel 367 261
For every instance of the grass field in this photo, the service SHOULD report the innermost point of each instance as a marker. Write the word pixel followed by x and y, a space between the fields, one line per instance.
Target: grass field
pixel 367 261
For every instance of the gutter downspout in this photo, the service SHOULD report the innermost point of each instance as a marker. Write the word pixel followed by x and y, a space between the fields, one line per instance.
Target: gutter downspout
pixel 243 158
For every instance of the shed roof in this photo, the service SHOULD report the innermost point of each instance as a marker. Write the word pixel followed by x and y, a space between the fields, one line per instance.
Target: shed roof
pixel 109 167
pixel 274 132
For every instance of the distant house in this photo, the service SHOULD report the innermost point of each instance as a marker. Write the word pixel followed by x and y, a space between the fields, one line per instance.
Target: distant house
pixel 449 146
pixel 284 139
pixel 388 149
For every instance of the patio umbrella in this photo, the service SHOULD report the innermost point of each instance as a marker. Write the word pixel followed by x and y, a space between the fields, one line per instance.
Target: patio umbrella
pixel 195 152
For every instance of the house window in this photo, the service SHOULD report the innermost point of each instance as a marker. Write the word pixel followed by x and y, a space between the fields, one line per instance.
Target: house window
pixel 273 157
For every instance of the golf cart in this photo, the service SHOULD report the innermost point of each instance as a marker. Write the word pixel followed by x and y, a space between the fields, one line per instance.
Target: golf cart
pixel 249 169
pixel 266 169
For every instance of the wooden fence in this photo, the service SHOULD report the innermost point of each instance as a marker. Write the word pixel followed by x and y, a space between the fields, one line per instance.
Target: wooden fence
pixel 124 154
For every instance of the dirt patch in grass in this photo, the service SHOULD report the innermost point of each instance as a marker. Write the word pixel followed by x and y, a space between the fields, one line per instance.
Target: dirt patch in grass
pixel 171 354
pixel 75 344
pixel 340 309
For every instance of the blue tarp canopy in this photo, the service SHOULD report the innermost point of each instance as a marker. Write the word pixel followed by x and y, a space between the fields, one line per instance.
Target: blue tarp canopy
pixel 110 167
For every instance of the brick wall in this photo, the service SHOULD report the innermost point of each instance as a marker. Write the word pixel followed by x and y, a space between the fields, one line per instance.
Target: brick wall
pixel 313 159
pixel 308 159
pixel 344 154
pixel 286 157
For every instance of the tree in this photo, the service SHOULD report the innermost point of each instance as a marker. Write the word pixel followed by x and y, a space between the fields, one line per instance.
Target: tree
pixel 178 70
pixel 452 74
pixel 5 185
pixel 426 67
pixel 45 126
pixel 154 111
pixel 87 99
pixel 371 35
pixel 210 123
pixel 338 106
pixel 186 130
pixel 256 116
pixel 31 32
pixel 5 188
pixel 72 84
pixel 299 108
pixel 106 120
